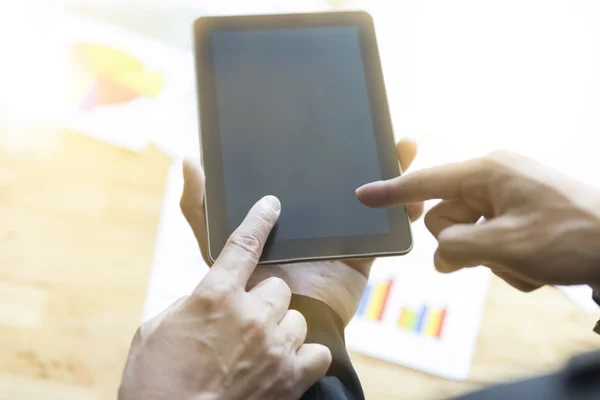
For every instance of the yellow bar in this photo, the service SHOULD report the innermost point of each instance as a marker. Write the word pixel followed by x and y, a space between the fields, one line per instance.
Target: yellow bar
pixel 408 319
pixel 433 323
pixel 402 320
pixel 377 302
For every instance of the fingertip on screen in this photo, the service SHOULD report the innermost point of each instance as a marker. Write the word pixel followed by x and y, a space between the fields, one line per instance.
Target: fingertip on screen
pixel 368 194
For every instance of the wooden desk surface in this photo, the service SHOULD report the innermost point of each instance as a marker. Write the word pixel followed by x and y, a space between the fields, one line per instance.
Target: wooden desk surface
pixel 78 220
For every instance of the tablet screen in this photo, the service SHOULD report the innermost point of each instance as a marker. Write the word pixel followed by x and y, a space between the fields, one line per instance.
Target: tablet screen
pixel 295 121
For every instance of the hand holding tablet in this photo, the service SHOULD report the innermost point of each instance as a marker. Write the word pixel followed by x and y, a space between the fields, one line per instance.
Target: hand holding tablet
pixel 338 283
pixel 294 106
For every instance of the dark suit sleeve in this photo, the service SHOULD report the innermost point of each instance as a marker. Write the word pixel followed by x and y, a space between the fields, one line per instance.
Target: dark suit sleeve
pixel 325 327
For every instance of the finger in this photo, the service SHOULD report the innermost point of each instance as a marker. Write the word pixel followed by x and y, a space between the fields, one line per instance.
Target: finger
pixel 445 267
pixel 314 361
pixel 406 149
pixel 276 294
pixel 293 329
pixel 192 204
pixel 447 213
pixel 242 251
pixel 443 182
pixel 466 245
pixel 516 282
pixel 415 210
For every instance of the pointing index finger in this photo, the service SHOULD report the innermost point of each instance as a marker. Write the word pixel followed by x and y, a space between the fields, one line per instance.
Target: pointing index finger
pixel 244 247
pixel 441 182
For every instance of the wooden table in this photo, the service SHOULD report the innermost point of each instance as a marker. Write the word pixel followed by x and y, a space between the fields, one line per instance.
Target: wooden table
pixel 78 220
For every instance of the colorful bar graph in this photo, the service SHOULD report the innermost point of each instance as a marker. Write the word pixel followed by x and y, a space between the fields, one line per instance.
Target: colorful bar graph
pixel 427 322
pixel 374 300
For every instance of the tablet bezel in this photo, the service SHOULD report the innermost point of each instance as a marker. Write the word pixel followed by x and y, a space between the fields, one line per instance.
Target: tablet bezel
pixel 397 242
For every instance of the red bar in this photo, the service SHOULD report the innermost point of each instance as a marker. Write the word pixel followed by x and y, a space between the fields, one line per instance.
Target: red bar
pixel 441 324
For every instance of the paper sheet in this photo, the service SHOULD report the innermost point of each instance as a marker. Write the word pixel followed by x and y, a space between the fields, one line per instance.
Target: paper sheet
pixel 413 316
pixel 118 86
pixel 581 295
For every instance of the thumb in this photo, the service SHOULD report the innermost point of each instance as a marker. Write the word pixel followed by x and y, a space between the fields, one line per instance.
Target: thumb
pixel 467 245
pixel 192 204
pixel 314 361
pixel 193 186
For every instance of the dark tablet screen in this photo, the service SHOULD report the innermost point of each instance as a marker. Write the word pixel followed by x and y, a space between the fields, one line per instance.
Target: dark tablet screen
pixel 295 121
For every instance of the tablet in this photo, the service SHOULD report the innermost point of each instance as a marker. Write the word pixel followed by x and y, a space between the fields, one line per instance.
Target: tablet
pixel 294 106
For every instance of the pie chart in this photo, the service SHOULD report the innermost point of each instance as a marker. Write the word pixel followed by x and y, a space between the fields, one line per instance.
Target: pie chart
pixel 109 76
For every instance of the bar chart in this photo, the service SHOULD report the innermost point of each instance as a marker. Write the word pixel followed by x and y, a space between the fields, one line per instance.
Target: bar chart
pixel 424 321
pixel 374 300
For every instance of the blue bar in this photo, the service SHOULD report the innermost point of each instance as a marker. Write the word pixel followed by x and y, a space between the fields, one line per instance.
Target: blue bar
pixel 420 325
pixel 364 301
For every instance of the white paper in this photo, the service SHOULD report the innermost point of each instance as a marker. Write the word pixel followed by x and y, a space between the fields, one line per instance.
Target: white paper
pixel 416 284
pixel 178 266
pixel 581 295
pixel 125 88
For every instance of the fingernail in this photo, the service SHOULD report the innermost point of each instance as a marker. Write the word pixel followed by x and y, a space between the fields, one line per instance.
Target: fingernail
pixel 273 203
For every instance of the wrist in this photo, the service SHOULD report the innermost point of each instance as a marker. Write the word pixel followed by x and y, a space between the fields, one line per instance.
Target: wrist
pixel 333 282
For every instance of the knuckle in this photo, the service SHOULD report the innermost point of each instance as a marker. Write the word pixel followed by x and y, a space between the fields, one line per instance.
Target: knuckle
pixel 206 300
pixel 276 354
pixel 247 243
pixel 255 326
pixel 215 295
pixel 290 338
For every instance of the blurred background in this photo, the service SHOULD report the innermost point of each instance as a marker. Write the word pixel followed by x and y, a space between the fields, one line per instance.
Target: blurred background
pixel 97 108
